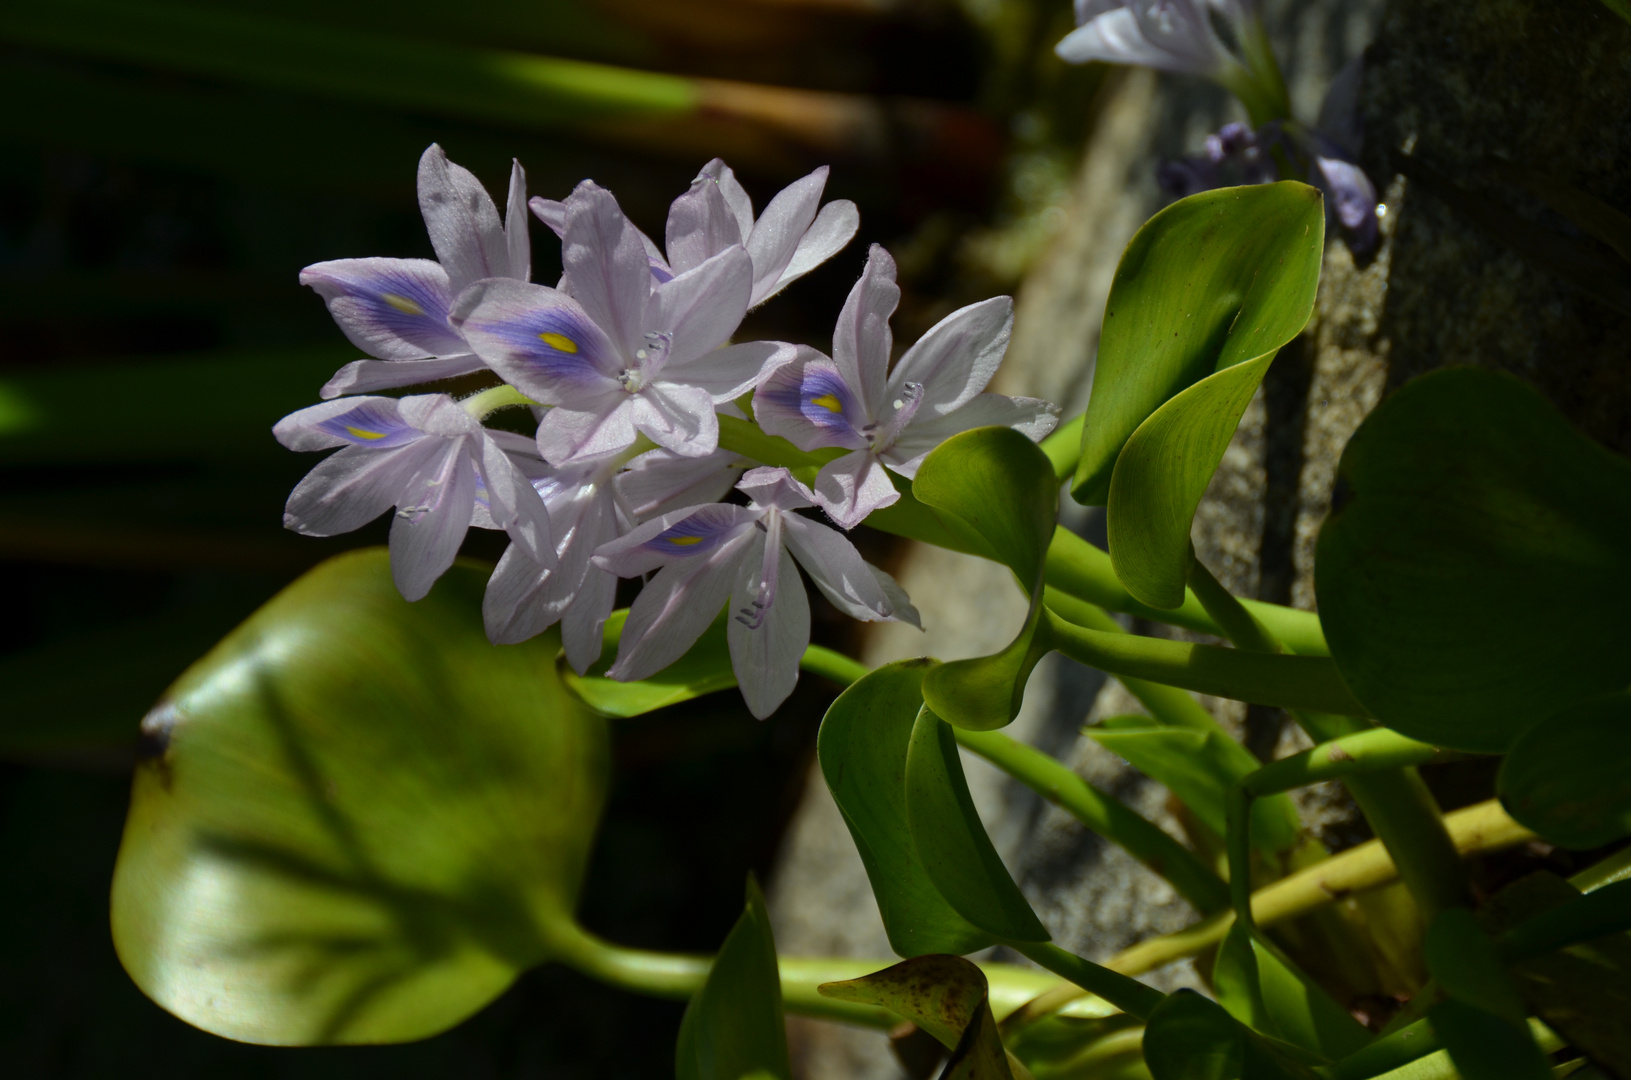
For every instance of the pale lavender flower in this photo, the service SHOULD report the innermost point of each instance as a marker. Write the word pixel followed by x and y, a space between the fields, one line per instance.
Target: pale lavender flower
pixel 1168 35
pixel 424 455
pixel 892 419
pixel 591 504
pixel 791 238
pixel 396 309
pixel 619 357
pixel 708 556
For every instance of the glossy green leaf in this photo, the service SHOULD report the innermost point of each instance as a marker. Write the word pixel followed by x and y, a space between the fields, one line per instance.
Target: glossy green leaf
pixel 1162 473
pixel 1192 1038
pixel 940 994
pixel 1477 579
pixel 1211 281
pixel 951 842
pixel 705 668
pixel 1582 991
pixel 1484 1046
pixel 1262 989
pixel 1198 765
pixel 355 820
pixel 996 486
pixel 862 749
pixel 1569 776
pixel 1464 961
pixel 733 1028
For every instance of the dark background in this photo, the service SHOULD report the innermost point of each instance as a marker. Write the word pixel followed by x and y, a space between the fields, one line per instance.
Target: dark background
pixel 165 172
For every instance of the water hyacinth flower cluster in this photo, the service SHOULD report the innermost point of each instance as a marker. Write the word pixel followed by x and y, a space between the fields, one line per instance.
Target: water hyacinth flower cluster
pixel 628 363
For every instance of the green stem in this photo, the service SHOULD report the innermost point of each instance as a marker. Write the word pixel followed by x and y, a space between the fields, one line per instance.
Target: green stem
pixel 1127 994
pixel 1079 569
pixel 1143 840
pixel 1371 750
pixel 1597 914
pixel 1617 867
pixel 832 665
pixel 485 403
pixel 1413 1053
pixel 1293 682
pixel 1064 447
pixel 1396 802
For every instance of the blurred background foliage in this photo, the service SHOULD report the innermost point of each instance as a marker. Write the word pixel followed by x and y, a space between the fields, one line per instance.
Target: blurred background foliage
pixel 166 168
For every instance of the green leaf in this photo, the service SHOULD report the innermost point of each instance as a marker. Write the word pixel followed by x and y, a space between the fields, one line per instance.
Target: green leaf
pixel 951 842
pixel 705 668
pixel 355 819
pixel 733 1028
pixel 996 487
pixel 1199 766
pixel 1464 961
pixel 1211 281
pixel 1484 1046
pixel 1161 475
pixel 1263 990
pixel 1191 1038
pixel 862 749
pixel 1569 777
pixel 1479 575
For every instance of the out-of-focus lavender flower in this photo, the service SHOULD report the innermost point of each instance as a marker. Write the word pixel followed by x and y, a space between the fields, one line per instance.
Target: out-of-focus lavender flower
pixel 706 556
pixel 618 357
pixel 1233 155
pixel 852 400
pixel 791 238
pixel 1168 35
pixel 591 504
pixel 396 309
pixel 424 455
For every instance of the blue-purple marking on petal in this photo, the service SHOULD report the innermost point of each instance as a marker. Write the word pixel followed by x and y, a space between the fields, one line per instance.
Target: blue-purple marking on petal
pixel 555 342
pixel 822 397
pixel 701 532
pixel 370 424
pixel 403 304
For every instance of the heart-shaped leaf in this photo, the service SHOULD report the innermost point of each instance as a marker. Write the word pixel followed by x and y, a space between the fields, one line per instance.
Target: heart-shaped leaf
pixel 1262 989
pixel 998 487
pixel 355 820
pixel 947 997
pixel 951 842
pixel 734 1028
pixel 1569 776
pixel 1161 475
pixel 1212 280
pixel 1479 575
pixel 862 749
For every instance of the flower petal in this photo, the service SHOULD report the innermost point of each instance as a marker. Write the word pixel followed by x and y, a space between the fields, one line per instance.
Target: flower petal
pixel 660 480
pixel 552 212
pixel 851 487
pixel 538 339
pixel 700 309
pixel 736 196
pixel 1353 198
pixel 675 607
pixel 361 421
pixel 729 372
pixel 606 263
pixel 765 652
pixel 462 222
pixel 438 414
pixel 568 434
pixel 583 627
pixel 395 309
pixel 775 489
pixel 516 239
pixel 862 341
pixel 835 226
pixel 360 376
pixel 808 403
pixel 675 536
pixel 432 517
pixel 958 355
pixel 700 225
pixel 853 586
pixel 1031 417
pixel 510 608
pixel 514 504
pixel 677 417
pixel 353 487
pixel 777 233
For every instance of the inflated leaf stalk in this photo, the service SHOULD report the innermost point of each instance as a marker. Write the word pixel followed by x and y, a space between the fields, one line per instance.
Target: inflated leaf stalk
pixel 355 820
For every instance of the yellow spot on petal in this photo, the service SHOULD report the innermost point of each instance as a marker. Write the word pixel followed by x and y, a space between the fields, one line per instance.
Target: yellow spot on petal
pixel 559 341
pixel 364 433
pixel 684 541
pixel 402 304
pixel 828 402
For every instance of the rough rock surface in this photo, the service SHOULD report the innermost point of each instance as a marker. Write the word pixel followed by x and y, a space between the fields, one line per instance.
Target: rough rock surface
pixel 1451 90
